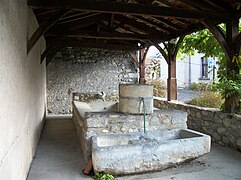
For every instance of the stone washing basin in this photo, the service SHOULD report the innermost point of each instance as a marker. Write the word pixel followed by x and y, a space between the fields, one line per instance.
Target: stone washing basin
pixel 120 154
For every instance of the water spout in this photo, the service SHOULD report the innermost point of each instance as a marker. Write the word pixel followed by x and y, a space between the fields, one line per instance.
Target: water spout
pixel 144 113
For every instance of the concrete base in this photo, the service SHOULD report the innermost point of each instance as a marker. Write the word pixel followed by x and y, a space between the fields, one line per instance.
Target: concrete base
pixel 138 152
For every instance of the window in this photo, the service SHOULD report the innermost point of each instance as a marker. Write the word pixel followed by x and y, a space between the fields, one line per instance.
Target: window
pixel 204 70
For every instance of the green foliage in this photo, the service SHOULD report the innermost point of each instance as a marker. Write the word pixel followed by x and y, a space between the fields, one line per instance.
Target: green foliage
pixel 103 176
pixel 159 88
pixel 229 86
pixel 202 42
pixel 208 99
pixel 200 86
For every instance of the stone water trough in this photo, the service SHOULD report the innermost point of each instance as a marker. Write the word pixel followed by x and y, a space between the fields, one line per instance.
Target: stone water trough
pixel 155 150
pixel 112 134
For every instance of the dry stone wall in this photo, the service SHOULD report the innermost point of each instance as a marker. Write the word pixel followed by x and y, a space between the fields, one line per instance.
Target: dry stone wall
pixel 86 71
pixel 224 128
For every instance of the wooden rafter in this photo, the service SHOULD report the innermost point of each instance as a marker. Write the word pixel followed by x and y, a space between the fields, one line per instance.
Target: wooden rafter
pixel 219 35
pixel 77 18
pixel 111 22
pixel 50 47
pixel 111 46
pixel 131 9
pixel 154 24
pixel 78 24
pixel 103 35
pixel 162 51
pixel 133 56
pixel 163 3
pixel 132 22
pixel 44 28
pixel 167 23
pixel 219 5
pixel 171 49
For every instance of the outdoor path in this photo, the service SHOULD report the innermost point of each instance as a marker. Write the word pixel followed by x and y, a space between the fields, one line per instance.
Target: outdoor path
pixel 58 157
pixel 184 94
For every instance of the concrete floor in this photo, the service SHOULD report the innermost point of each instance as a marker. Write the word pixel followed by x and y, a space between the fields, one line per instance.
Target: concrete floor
pixel 58 157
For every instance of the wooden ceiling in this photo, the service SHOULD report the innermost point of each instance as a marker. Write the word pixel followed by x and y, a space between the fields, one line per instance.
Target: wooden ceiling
pixel 124 24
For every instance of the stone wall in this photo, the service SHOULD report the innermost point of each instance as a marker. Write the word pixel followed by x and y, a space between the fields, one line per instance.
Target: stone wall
pixel 86 71
pixel 22 90
pixel 224 128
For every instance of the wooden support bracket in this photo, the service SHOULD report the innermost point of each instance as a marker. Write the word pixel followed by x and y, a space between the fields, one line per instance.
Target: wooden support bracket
pixel 169 52
pixel 51 46
pixel 44 28
pixel 142 61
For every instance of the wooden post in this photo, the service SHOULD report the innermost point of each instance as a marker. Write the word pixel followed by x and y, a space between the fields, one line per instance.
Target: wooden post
pixel 170 56
pixel 172 81
pixel 141 67
pixel 232 102
pixel 142 59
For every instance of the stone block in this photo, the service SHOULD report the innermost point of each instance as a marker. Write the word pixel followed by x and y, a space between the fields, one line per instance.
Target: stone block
pixel 225 140
pixel 198 115
pixel 133 75
pixel 217 120
pixel 96 122
pixel 221 130
pixel 216 136
pixel 239 143
pixel 226 122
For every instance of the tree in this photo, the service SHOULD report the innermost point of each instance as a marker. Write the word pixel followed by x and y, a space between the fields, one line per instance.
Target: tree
pixel 204 42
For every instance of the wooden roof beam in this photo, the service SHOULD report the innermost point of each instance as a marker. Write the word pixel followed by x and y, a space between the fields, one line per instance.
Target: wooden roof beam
pixel 112 46
pixel 167 23
pixel 162 3
pixel 201 5
pixel 121 8
pixel 141 26
pixel 101 35
pixel 119 24
pixel 219 5
pixel 44 28
pixel 76 18
pixel 154 24
pixel 78 24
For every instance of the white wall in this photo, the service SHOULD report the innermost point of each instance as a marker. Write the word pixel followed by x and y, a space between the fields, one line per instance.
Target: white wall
pixel 22 90
pixel 183 71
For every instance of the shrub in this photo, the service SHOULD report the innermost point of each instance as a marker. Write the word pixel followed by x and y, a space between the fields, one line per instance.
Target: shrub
pixel 159 88
pixel 200 86
pixel 208 99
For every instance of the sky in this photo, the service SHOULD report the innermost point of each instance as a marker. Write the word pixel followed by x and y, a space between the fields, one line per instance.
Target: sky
pixel 152 52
